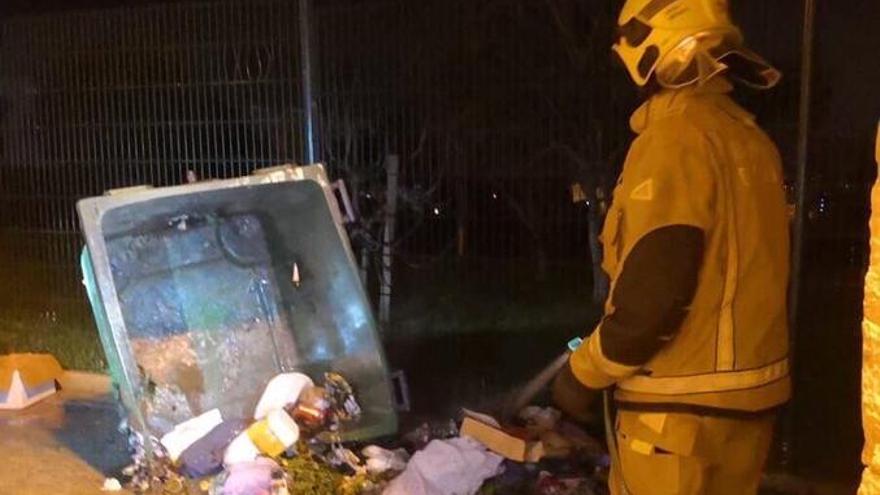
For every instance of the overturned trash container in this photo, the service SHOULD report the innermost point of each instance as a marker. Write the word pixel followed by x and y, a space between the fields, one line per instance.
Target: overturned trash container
pixel 203 292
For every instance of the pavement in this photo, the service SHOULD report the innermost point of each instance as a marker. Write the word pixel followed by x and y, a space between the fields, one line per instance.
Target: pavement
pixel 64 445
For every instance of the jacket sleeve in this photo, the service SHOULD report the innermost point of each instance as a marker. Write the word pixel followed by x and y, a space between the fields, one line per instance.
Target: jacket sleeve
pixel 666 200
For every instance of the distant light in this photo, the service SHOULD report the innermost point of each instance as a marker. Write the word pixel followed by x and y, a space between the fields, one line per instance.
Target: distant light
pixel 494 195
pixel 369 196
pixel 436 211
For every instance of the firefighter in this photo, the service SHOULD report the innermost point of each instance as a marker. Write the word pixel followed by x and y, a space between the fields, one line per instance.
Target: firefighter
pixel 694 338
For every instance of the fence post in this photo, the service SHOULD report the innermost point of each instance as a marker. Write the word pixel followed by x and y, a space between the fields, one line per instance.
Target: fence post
pixel 392 167
pixel 788 436
pixel 306 83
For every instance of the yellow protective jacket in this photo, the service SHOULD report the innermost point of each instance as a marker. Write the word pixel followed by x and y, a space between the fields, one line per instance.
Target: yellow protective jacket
pixel 871 351
pixel 699 163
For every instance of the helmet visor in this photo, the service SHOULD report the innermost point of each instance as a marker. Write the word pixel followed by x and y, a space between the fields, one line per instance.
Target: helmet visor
pixel 702 56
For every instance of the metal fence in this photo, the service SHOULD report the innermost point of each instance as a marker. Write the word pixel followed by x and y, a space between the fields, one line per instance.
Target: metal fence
pixel 493 110
pixel 106 99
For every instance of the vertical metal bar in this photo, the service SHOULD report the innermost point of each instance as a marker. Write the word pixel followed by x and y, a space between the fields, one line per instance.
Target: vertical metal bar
pixel 134 173
pixel 223 92
pixel 209 101
pixel 210 56
pixel 172 104
pixel 306 81
pixel 287 102
pixel 392 164
pixel 94 166
pixel 156 125
pixel 71 170
pixel 187 87
pixel 245 96
pixel 139 85
pixel 255 109
pixel 29 144
pixel 16 156
pixel 178 49
pixel 264 84
pixel 234 95
pixel 113 97
pixel 798 228
pixel 55 177
pixel 146 97
pixel 267 89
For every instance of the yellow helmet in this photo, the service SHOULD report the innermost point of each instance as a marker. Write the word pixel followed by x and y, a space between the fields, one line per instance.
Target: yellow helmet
pixel 682 42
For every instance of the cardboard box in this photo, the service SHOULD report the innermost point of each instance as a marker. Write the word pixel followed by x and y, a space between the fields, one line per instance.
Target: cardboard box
pixel 26 379
pixel 502 442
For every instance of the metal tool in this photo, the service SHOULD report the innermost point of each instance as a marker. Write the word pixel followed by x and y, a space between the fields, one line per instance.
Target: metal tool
pixel 533 387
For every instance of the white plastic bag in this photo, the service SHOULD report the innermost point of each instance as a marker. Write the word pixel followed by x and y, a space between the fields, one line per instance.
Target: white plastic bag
pixel 457 466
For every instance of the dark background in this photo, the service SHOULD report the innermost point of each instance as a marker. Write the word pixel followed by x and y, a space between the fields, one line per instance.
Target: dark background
pixel 494 108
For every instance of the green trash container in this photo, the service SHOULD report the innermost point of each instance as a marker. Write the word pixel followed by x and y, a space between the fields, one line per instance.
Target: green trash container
pixel 203 292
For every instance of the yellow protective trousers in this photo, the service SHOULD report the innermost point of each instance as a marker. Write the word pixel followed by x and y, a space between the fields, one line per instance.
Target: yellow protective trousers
pixel 686 454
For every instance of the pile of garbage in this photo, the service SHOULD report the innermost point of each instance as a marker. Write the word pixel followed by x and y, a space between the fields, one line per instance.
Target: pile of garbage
pixel 539 454
pixel 293 445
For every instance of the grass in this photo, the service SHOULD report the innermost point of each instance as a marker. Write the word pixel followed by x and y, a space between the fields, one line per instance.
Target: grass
pixel 71 339
pixel 502 297
pixel 43 308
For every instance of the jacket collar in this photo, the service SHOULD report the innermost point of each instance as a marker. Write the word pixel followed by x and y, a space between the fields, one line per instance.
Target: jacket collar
pixel 672 101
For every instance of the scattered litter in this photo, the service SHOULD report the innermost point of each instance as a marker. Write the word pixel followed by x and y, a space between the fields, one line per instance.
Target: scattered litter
pixel 293 445
pixel 282 391
pixel 548 484
pixel 588 446
pixel 311 476
pixel 262 476
pixel 514 445
pixel 418 438
pixel 540 419
pixel 274 434
pixel 151 471
pixel 343 403
pixel 481 417
pixel 240 450
pixel 344 460
pixel 457 466
pixel 381 460
pixel 313 409
pixel 556 445
pixel 111 485
pixel 186 433
pixel 205 456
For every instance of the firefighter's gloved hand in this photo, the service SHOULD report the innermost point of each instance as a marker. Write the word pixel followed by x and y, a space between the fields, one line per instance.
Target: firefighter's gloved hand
pixel 572 397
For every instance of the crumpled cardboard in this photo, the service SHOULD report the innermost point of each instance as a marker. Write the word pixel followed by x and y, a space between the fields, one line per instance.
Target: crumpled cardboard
pixel 505 442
